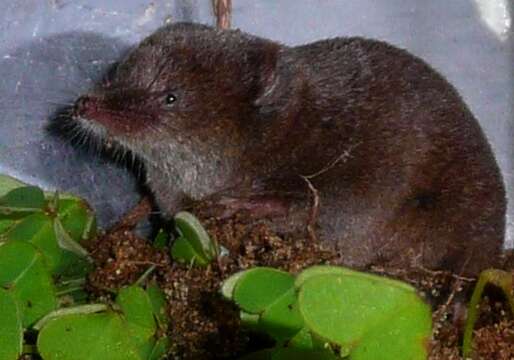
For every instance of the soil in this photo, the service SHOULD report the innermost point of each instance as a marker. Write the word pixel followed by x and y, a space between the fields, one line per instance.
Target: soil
pixel 204 326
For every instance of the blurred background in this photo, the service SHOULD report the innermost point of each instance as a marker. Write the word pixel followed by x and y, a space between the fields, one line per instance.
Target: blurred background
pixel 53 50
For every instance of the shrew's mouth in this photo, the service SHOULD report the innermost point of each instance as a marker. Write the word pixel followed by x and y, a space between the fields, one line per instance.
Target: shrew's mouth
pixel 95 112
pixel 96 136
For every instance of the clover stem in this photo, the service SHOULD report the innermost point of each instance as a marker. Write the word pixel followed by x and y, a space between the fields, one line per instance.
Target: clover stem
pixel 499 278
pixel 145 275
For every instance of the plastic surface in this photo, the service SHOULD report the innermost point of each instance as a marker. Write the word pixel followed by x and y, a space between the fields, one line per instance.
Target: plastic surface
pixel 53 50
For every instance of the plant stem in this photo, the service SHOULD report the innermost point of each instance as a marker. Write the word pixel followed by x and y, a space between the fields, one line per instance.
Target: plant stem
pixel 503 280
pixel 145 275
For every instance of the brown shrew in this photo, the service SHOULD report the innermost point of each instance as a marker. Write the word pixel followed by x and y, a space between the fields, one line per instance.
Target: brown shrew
pixel 398 166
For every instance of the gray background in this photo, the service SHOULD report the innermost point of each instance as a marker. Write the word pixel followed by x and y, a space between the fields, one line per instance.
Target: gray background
pixel 52 50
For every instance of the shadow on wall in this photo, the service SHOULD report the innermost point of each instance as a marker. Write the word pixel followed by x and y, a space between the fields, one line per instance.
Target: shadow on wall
pixel 187 10
pixel 39 79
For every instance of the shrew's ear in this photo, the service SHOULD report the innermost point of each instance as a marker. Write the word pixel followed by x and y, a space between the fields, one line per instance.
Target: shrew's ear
pixel 273 79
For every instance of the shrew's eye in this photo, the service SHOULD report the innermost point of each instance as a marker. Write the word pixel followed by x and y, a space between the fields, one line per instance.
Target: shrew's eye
pixel 170 99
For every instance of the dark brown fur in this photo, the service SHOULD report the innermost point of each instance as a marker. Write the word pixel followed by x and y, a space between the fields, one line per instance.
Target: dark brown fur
pixel 402 168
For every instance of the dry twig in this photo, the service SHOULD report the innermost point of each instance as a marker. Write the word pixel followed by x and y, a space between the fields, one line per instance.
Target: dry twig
pixel 345 155
pixel 314 213
pixel 223 13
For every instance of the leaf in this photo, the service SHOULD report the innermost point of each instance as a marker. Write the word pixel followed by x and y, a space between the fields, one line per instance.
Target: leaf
pixel 11 331
pixel 82 309
pixel 160 349
pixel 26 277
pixel 66 242
pixel 250 321
pixel 159 304
pixel 339 270
pixel 51 234
pixel 227 289
pixel 138 314
pixel 8 183
pixel 37 229
pixel 87 337
pixel 281 319
pixel 190 227
pixel 136 306
pixel 77 219
pixel 5 225
pixel 24 199
pixel 73 266
pixel 183 251
pixel 260 287
pixel 79 334
pixel 366 316
pixel 267 298
pixel 302 340
pixel 161 240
